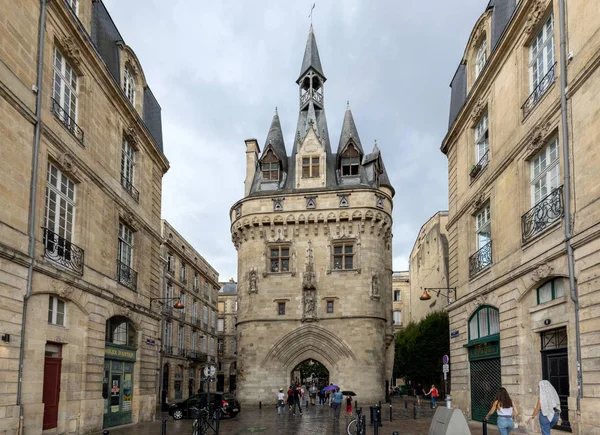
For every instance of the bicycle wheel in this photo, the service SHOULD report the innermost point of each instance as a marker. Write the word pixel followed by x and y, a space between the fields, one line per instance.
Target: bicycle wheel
pixel 351 429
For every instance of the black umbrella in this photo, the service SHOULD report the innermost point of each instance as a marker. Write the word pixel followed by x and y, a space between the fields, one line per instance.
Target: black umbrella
pixel 348 393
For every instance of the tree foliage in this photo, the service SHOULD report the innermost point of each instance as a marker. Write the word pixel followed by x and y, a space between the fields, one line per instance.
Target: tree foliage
pixel 420 348
pixel 310 367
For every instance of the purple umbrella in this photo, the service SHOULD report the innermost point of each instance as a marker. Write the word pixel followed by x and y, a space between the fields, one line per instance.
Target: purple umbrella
pixel 330 387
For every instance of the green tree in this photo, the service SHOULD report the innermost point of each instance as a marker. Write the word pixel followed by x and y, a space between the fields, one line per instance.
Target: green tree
pixel 309 367
pixel 420 348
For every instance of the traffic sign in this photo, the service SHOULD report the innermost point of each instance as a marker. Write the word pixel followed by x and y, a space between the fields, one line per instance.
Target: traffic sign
pixel 446 368
pixel 445 359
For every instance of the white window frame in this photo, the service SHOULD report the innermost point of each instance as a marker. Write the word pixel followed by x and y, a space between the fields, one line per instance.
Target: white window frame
pixel 205 316
pixel 60 203
pixel 182 299
pixel 213 321
pixel 196 281
pixel 125 245
pixel 397 317
pixel 483 226
pixel 220 325
pixel 129 85
pixel 204 343
pixel 170 262
pixel 127 163
pixel 212 345
pixel 399 294
pixel 64 86
pixel 181 337
pixel 169 295
pixel 481 58
pixel 54 304
pixel 183 272
pixel 169 334
pixel 541 54
pixel 195 311
pixel 74 5
pixel 194 341
pixel 482 138
pixel 545 171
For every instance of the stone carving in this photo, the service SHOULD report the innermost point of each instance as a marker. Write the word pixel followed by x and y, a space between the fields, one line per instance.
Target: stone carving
pixel 536 13
pixel 309 286
pixel 479 301
pixel 61 289
pixel 67 164
pixel 479 33
pixel 477 111
pixel 132 136
pixel 478 202
pixel 240 373
pixel 70 49
pixel 538 137
pixel 130 220
pixel 238 211
pixel 253 281
pixel 542 272
pixel 375 288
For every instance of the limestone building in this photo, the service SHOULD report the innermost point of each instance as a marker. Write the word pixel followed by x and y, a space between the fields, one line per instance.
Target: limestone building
pixel 429 267
pixel 81 172
pixel 313 235
pixel 227 337
pixel 523 237
pixel 400 299
pixel 189 336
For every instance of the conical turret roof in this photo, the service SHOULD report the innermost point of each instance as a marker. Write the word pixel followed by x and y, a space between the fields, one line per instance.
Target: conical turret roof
pixel 276 142
pixel 349 132
pixel 311 57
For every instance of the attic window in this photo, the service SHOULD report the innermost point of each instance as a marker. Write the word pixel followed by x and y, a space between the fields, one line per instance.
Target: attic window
pixel 270 167
pixel 310 167
pixel 129 85
pixel 350 162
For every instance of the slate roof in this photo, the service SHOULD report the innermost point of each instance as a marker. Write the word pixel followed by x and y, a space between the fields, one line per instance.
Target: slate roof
pixel 229 288
pixel 275 141
pixel 349 132
pixel 311 57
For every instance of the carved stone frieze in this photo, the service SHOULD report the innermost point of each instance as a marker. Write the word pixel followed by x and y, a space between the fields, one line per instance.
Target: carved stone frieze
pixel 542 272
pixel 537 10
pixel 253 281
pixel 538 137
pixel 70 49
pixel 478 110
pixel 478 202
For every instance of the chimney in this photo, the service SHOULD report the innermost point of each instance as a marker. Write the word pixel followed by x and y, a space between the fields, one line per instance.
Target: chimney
pixel 252 150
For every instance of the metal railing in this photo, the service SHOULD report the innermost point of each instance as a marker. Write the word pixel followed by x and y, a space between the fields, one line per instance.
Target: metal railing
pixel 183 280
pixel 542 215
pixel 539 91
pixel 67 121
pixel 167 309
pixel 197 355
pixel 482 163
pixel 168 349
pixel 480 260
pixel 128 186
pixel 182 315
pixel 63 252
pixel 181 351
pixel 126 275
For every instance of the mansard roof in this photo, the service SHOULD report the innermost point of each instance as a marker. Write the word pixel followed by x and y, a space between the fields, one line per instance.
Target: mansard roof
pixel 311 57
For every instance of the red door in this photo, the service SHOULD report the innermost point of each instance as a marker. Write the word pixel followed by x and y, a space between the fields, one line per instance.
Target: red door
pixel 51 392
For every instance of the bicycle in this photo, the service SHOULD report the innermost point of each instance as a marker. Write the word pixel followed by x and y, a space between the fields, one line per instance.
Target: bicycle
pixel 358 426
pixel 205 421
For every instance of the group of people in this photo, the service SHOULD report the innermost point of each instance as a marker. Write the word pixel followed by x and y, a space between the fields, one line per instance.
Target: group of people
pixel 433 393
pixel 547 408
pixel 295 395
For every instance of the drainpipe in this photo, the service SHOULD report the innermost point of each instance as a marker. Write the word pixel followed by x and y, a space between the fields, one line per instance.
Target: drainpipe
pixel 567 193
pixel 32 201
pixel 163 294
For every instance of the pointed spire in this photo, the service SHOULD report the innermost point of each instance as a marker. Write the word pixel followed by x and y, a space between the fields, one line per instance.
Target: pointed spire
pixel 349 132
pixel 311 57
pixel 275 141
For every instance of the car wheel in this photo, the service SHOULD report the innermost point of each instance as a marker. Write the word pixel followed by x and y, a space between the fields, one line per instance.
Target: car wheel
pixel 178 414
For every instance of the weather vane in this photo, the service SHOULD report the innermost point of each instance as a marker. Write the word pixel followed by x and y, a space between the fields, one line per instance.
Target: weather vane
pixel 311 13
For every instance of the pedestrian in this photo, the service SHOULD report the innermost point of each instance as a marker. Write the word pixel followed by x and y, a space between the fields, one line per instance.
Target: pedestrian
pixel 280 402
pixel 507 411
pixel 337 399
pixel 348 406
pixel 313 394
pixel 434 395
pixel 297 395
pixel 419 394
pixel 548 407
pixel 290 397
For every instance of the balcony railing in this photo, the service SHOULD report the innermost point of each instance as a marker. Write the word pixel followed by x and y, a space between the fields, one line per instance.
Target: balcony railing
pixel 182 315
pixel 168 350
pixel 197 355
pixel 128 186
pixel 183 280
pixel 481 164
pixel 181 351
pixel 539 91
pixel 195 321
pixel 481 259
pixel 63 252
pixel 546 212
pixel 167 309
pixel 67 121
pixel 212 330
pixel 126 276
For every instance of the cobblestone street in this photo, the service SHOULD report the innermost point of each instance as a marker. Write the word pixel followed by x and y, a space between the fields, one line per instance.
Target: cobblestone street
pixel 314 420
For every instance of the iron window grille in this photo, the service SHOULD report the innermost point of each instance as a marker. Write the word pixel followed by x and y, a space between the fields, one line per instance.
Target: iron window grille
pixel 481 164
pixel 126 276
pixel 542 215
pixel 62 252
pixel 555 339
pixel 125 273
pixel 539 91
pixel 482 145
pixel 480 260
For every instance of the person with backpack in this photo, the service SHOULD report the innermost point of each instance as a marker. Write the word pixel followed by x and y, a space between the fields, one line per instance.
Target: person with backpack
pixel 434 395
pixel 280 402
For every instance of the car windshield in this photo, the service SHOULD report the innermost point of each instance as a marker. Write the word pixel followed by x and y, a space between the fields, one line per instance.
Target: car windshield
pixel 228 397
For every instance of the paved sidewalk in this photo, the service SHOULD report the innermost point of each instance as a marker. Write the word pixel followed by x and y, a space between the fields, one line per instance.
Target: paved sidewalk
pixel 314 420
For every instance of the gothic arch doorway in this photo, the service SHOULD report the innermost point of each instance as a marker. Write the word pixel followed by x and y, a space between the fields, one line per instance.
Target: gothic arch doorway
pixel 308 372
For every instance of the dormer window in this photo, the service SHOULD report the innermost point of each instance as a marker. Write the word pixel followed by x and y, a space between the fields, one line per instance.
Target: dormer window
pixel 350 162
pixel 310 167
pixel 481 58
pixel 129 85
pixel 270 167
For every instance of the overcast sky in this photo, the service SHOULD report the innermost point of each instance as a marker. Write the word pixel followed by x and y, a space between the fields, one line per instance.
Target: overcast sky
pixel 219 69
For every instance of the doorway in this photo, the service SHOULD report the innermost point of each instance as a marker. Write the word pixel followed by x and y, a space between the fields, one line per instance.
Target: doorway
pixel 555 368
pixel 117 391
pixel 308 372
pixel 165 388
pixel 220 382
pixel 51 389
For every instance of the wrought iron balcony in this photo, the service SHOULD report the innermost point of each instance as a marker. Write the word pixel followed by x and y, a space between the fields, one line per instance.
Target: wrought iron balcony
pixel 539 91
pixel 167 310
pixel 170 270
pixel 481 259
pixel 181 351
pixel 481 164
pixel 183 280
pixel 196 288
pixel 212 330
pixel 128 186
pixel 182 315
pixel 168 350
pixel 63 252
pixel 67 121
pixel 197 356
pixel 126 276
pixel 545 213
pixel 205 326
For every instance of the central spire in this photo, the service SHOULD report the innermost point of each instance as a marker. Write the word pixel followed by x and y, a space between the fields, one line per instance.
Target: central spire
pixel 311 57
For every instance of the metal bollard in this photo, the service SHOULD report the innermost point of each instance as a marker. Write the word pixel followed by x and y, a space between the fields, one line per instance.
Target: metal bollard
pixel 163 430
pixel 405 404
pixel 395 433
pixel 414 411
pixel 105 432
pixel 259 405
pixel 390 412
pixel 376 421
pixel 371 415
pixel 484 427
pixel 378 414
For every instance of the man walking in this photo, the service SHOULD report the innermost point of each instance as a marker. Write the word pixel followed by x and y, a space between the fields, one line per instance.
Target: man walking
pixel 297 396
pixel 338 397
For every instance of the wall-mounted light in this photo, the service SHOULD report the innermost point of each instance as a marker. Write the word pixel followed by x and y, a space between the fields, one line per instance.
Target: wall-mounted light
pixel 6 338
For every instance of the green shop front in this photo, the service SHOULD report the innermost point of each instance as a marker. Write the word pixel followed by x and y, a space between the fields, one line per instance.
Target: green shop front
pixel 484 361
pixel 117 387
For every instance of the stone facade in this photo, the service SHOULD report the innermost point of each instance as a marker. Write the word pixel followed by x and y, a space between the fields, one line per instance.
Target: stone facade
pixel 401 301
pixel 515 315
pixel 429 267
pixel 189 336
pixel 227 337
pixel 313 236
pixel 78 265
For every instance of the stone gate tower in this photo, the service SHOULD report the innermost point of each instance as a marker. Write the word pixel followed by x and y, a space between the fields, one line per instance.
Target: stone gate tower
pixel 314 240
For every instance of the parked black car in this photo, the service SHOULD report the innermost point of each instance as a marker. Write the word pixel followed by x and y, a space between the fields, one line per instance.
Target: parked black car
pixel 230 407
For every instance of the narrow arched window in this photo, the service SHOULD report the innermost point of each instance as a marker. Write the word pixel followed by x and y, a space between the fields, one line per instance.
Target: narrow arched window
pixel 270 167
pixel 129 85
pixel 350 164
pixel 120 331
pixel 484 324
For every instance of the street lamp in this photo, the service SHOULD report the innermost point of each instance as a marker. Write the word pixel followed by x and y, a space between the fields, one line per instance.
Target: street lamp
pixel 438 291
pixel 177 305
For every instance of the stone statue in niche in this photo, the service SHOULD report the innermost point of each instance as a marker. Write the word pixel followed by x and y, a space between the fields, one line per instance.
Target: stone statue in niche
pixel 252 281
pixel 309 305
pixel 309 286
pixel 375 288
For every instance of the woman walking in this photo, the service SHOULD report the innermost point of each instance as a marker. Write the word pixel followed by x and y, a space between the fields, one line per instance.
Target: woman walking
pixel 348 405
pixel 434 395
pixel 507 411
pixel 548 407
pixel 280 402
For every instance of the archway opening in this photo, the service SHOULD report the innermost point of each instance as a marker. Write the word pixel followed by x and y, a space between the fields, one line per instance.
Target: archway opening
pixel 310 372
